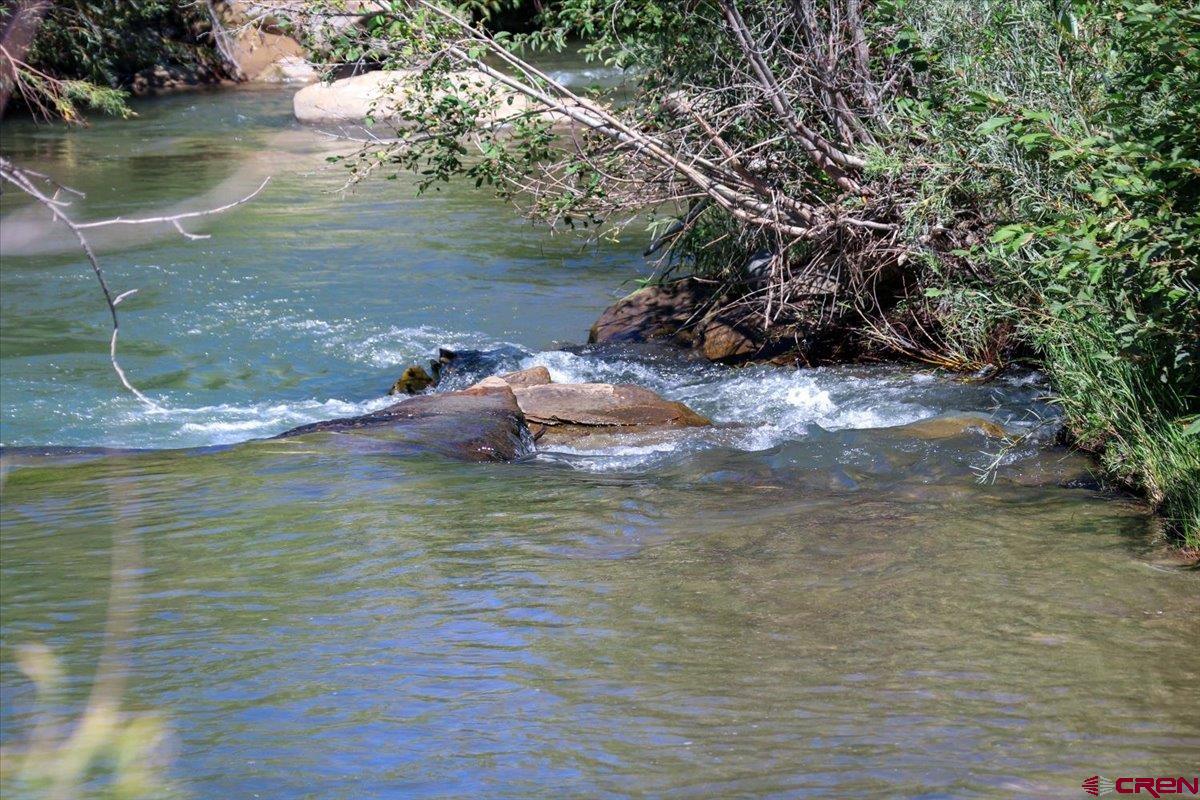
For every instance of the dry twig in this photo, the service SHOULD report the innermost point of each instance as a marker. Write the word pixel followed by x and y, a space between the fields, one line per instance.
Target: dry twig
pixel 46 191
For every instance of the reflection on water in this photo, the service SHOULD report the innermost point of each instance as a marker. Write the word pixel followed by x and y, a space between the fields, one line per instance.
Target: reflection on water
pixel 806 600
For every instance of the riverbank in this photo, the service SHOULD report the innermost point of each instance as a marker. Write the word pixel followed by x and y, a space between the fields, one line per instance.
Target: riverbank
pixel 1016 284
pixel 331 363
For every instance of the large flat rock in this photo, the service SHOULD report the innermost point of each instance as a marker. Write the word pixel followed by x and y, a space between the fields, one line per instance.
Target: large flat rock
pixel 477 424
pixel 602 405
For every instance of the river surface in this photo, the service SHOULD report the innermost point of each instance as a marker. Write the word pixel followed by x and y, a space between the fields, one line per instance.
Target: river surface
pixel 806 601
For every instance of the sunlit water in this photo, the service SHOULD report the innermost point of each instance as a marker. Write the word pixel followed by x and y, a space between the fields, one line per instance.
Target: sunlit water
pixel 802 601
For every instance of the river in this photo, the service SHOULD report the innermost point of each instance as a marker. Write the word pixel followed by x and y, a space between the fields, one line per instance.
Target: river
pixel 802 602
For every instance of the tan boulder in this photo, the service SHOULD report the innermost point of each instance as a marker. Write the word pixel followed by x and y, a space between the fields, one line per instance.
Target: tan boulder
pixel 251 35
pixel 490 382
pixel 383 95
pixel 271 58
pixel 722 341
pixel 602 405
pixel 533 376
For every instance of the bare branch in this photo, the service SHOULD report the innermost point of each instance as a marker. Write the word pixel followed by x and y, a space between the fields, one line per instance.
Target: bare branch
pixel 30 183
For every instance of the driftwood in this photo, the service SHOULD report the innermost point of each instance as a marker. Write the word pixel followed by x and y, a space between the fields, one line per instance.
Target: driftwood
pixel 803 73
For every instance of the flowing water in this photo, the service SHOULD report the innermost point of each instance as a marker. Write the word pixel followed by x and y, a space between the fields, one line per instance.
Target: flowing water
pixel 803 601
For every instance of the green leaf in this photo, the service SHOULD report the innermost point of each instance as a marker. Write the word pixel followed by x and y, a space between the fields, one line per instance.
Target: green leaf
pixel 993 124
pixel 1003 234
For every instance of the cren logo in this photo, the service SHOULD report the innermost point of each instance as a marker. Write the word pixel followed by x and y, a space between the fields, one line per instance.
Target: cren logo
pixel 1098 785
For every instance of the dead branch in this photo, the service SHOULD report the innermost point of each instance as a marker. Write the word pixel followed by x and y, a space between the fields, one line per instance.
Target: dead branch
pixel 31 184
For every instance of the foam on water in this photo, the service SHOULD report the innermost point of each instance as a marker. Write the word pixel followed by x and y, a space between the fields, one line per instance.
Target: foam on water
pixel 616 457
pixel 753 408
pixel 174 424
pixel 760 407
pixel 228 424
pixel 588 76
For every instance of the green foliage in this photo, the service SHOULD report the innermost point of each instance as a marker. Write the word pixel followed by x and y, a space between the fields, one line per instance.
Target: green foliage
pixel 1071 128
pixel 87 52
pixel 67 99
pixel 107 42
pixel 103 752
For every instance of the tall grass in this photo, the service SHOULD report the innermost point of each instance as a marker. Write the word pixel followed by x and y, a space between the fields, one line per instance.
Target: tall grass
pixel 1065 129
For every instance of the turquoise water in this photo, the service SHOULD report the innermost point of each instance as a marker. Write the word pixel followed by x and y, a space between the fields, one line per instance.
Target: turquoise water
pixel 806 601
pixel 300 305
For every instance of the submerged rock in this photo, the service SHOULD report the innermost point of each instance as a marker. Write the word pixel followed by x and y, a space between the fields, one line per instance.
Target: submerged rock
pixel 950 426
pixel 478 424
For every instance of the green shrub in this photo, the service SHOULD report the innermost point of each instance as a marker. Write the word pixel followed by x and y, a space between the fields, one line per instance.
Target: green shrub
pixel 1070 130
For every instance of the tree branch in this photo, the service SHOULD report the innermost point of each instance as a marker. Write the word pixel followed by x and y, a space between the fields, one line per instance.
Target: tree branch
pixel 28 182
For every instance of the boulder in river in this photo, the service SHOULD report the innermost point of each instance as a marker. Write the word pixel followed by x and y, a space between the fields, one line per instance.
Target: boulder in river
pixel 533 376
pixel 727 341
pixel 456 364
pixel 265 57
pixel 570 410
pixel 382 95
pixel 477 424
pixel 654 312
pixel 262 49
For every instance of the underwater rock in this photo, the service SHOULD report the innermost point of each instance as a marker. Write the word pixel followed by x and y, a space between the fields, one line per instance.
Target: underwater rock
pixel 950 426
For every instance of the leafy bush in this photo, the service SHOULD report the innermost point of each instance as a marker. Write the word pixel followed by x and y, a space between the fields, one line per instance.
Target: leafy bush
pixel 1069 128
pixel 107 42
pixel 86 53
